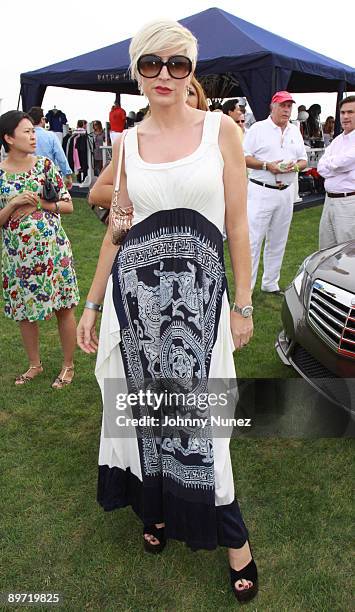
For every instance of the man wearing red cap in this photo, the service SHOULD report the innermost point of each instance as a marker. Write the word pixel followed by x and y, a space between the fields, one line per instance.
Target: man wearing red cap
pixel 275 153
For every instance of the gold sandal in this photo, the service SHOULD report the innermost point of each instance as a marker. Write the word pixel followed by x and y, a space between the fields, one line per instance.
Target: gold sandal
pixel 61 381
pixel 25 378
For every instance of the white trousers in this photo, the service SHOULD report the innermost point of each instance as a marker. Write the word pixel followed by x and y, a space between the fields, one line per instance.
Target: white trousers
pixel 337 224
pixel 269 215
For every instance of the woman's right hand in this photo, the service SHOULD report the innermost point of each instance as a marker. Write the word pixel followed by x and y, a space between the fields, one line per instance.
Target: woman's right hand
pixel 86 331
pixel 25 198
pixel 23 211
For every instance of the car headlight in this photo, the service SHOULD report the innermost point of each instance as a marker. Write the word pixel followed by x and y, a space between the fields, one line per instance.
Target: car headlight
pixel 300 280
pixel 297 281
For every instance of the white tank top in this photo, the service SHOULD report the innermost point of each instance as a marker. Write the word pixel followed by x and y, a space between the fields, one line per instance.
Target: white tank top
pixel 194 182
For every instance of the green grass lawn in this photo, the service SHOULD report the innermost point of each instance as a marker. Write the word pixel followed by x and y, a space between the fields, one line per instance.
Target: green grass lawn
pixel 295 494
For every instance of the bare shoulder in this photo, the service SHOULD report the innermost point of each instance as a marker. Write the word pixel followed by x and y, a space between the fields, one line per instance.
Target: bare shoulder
pixel 229 138
pixel 144 127
pixel 116 146
pixel 228 130
pixel 115 152
pixel 106 176
pixel 197 115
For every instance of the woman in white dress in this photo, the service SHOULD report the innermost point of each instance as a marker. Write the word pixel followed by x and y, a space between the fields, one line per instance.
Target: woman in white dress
pixel 166 319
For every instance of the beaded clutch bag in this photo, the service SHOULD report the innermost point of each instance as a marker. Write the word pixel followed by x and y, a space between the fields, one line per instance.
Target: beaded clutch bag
pixel 120 219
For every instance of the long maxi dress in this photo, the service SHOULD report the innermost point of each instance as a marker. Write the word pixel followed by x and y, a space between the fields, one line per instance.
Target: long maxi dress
pixel 166 317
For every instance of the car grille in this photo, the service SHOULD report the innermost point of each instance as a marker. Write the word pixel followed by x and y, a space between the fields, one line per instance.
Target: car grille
pixel 309 364
pixel 331 313
pixel 335 388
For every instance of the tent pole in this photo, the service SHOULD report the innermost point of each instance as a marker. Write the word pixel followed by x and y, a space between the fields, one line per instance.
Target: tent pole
pixel 341 89
pixel 273 82
pixel 19 98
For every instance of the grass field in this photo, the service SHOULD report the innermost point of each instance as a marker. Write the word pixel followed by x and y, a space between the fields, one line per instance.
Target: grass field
pixel 295 494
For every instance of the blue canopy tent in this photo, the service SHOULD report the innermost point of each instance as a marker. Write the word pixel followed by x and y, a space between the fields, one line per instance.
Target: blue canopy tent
pixel 260 63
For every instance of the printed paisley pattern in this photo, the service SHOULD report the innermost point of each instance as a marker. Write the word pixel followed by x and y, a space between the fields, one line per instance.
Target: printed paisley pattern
pixel 168 284
pixel 37 262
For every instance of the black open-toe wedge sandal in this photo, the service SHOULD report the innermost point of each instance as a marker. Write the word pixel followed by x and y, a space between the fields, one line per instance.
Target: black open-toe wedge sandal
pixel 250 573
pixel 159 534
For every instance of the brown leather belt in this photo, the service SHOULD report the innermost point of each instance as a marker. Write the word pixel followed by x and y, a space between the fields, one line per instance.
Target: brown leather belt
pixel 279 187
pixel 340 195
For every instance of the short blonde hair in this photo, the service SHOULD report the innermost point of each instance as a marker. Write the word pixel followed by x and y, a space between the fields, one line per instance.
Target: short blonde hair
pixel 162 35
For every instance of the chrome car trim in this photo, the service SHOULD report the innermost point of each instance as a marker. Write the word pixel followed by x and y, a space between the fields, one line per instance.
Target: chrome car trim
pixel 331 330
pixel 334 308
pixel 340 295
pixel 329 316
pixel 329 311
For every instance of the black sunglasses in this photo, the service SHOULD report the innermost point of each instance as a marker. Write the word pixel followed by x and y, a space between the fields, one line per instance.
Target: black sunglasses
pixel 178 66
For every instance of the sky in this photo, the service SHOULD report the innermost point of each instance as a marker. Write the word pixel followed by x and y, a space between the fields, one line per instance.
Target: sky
pixel 53 32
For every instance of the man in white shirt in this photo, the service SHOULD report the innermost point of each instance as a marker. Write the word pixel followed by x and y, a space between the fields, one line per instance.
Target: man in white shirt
pixel 337 166
pixel 274 152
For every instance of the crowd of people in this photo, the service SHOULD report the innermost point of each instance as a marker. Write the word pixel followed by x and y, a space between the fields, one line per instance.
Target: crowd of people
pixel 193 177
pixel 52 130
pixel 53 134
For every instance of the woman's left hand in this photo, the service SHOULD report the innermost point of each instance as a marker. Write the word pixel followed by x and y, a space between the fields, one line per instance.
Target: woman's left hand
pixel 23 211
pixel 242 329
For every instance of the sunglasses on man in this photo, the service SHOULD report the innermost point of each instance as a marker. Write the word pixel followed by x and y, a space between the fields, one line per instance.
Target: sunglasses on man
pixel 178 66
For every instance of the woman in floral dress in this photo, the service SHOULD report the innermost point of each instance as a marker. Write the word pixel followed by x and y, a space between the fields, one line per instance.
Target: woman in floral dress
pixel 37 263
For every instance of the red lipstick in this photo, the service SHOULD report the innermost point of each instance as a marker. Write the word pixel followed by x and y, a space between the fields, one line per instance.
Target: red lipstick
pixel 162 90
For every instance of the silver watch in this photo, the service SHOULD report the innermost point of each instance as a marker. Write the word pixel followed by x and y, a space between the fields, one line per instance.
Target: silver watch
pixel 245 311
pixel 93 306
